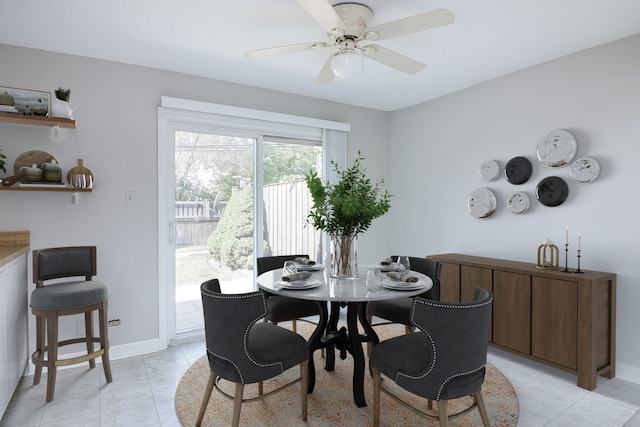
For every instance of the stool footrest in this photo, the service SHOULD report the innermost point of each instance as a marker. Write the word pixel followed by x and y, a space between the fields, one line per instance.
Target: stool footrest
pixel 38 357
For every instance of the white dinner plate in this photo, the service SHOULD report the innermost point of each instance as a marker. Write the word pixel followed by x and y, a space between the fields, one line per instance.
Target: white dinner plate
pixel 299 284
pixel 398 285
pixel 391 267
pixel 305 267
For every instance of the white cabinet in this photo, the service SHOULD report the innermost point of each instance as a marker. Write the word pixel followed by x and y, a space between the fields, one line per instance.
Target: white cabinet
pixel 13 327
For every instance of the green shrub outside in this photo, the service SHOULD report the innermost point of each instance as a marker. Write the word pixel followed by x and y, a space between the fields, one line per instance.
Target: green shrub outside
pixel 231 242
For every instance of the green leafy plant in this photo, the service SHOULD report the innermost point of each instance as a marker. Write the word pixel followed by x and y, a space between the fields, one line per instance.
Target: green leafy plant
pixel 63 94
pixel 346 209
pixel 2 162
pixel 349 206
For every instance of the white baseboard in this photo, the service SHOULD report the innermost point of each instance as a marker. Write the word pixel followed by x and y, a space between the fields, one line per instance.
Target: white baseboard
pixel 627 372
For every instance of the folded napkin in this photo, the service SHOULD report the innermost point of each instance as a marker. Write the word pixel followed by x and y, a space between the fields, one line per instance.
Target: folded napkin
pixel 405 277
pixel 386 261
pixel 304 261
pixel 303 275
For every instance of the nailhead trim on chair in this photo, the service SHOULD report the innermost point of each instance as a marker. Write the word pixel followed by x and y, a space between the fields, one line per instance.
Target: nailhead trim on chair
pixel 445 305
pixel 435 353
pixel 445 382
pixel 246 332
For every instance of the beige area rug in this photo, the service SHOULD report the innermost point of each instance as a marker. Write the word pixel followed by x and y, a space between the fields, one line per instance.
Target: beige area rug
pixel 331 403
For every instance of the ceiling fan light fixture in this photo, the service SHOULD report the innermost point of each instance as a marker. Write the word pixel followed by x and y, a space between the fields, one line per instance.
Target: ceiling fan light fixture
pixel 347 63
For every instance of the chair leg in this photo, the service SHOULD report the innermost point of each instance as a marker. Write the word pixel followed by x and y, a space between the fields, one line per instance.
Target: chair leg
pixel 294 326
pixel 104 341
pixel 40 345
pixel 376 397
pixel 443 413
pixel 409 329
pixel 260 388
pixel 206 397
pixel 88 336
pixel 304 385
pixel 52 352
pixel 237 404
pixel 477 395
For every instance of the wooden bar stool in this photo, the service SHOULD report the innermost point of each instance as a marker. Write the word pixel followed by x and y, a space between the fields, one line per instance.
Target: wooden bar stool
pixel 63 298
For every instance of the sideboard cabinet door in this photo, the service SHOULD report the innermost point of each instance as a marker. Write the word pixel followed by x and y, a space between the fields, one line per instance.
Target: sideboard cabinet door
pixel 512 310
pixel 554 317
pixel 470 278
pixel 449 282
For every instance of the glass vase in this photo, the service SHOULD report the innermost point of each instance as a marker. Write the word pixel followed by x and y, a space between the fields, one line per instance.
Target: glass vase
pixel 344 257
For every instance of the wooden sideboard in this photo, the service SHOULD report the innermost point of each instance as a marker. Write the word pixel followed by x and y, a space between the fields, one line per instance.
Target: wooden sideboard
pixel 565 320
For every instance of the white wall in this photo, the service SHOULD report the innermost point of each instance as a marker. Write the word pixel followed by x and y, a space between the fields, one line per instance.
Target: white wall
pixel 117 138
pixel 437 149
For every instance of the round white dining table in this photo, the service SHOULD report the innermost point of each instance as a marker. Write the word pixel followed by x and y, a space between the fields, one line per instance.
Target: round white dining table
pixel 353 294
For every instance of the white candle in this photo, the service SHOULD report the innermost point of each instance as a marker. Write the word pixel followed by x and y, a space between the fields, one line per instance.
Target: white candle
pixel 566 235
pixel 578 241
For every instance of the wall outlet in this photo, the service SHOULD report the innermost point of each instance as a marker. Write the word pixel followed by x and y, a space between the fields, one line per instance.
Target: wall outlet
pixel 130 198
pixel 114 322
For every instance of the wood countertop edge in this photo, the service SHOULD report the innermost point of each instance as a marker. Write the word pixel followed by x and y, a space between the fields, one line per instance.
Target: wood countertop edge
pixel 13 244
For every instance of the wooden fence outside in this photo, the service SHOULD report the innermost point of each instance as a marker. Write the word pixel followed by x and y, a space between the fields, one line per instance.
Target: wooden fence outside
pixel 286 207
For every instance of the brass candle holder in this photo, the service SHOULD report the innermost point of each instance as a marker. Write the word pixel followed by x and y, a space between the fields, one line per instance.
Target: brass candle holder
pixel 548 255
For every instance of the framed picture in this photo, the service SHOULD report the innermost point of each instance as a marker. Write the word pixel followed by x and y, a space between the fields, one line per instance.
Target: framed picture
pixel 25 101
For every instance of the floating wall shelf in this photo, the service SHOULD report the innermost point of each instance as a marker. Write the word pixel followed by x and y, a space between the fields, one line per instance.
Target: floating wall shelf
pixel 62 189
pixel 37 120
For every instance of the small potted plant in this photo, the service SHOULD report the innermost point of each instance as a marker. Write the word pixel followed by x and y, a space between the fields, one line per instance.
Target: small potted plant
pixel 60 105
pixel 344 210
pixel 63 94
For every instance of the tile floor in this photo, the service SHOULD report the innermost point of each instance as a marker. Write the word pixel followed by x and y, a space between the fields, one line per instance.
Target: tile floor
pixel 142 394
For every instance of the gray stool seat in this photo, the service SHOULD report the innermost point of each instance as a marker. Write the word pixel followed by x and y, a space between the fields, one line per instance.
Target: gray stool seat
pixel 69 295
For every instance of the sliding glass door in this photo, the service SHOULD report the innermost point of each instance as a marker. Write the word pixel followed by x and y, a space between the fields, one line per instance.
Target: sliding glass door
pixel 222 223
pixel 231 189
pixel 213 220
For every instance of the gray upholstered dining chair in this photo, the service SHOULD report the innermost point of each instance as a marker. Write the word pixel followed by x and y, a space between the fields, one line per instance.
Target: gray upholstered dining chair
pixel 63 298
pixel 399 310
pixel 244 350
pixel 284 309
pixel 445 360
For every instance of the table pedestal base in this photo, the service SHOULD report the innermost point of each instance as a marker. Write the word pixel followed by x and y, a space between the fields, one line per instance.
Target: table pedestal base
pixel 346 340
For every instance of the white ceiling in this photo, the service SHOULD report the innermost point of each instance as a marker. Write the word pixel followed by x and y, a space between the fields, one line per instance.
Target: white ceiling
pixel 207 38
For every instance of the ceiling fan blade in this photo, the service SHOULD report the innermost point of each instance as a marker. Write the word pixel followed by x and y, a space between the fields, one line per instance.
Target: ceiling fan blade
pixel 270 51
pixel 326 74
pixel 412 24
pixel 323 13
pixel 392 59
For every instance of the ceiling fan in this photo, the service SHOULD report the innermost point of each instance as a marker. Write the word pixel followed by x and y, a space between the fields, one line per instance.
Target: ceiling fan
pixel 347 25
